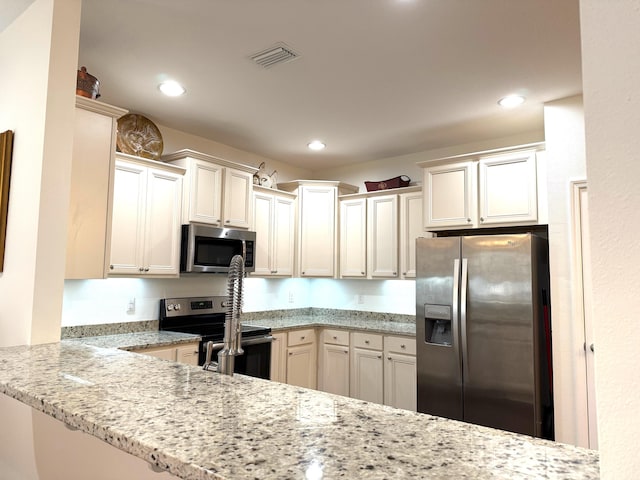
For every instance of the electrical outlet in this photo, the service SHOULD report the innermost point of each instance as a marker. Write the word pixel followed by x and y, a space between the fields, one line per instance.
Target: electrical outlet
pixel 360 299
pixel 291 299
pixel 131 306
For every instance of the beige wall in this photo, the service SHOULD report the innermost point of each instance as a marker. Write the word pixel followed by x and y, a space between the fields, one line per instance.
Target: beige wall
pixel 38 52
pixel 564 135
pixel 391 167
pixel 176 140
pixel 611 84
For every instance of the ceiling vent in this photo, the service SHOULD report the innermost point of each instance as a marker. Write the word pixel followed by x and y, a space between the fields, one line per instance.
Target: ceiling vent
pixel 279 53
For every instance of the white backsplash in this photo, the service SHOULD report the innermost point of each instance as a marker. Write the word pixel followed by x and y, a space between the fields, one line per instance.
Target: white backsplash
pixel 116 300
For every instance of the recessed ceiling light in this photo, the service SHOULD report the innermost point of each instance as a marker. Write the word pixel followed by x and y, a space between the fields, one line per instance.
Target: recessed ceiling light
pixel 511 101
pixel 171 88
pixel 316 145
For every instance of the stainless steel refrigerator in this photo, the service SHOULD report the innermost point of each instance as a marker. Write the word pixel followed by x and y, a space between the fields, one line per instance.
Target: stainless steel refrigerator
pixel 483 331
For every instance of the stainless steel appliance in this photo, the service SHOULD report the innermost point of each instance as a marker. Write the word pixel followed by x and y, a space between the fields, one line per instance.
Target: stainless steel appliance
pixel 208 249
pixel 483 331
pixel 205 316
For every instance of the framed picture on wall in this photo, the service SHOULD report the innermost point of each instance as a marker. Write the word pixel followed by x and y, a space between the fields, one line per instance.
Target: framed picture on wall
pixel 6 144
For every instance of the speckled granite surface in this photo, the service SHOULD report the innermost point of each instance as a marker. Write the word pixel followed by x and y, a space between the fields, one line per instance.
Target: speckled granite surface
pixel 137 340
pixel 203 425
pixel 108 329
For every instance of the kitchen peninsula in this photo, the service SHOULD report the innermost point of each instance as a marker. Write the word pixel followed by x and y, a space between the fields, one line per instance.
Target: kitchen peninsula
pixel 202 425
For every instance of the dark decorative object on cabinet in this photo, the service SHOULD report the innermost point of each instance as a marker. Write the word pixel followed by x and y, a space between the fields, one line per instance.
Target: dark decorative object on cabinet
pixel 87 85
pixel 396 182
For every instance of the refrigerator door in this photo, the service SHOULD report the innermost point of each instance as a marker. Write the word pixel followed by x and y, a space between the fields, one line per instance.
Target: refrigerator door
pixel 497 317
pixel 437 332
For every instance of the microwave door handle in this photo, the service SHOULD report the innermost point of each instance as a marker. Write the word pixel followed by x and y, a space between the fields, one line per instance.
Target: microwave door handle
pixel 244 252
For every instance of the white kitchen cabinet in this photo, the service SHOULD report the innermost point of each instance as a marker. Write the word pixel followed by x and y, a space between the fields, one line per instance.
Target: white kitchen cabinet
pixel 185 353
pixel 366 379
pixel 353 238
pixel 217 191
pixel 508 188
pixel 301 358
pixel 279 357
pixel 400 378
pixel 145 237
pixel 410 229
pixel 483 189
pixel 382 236
pixel 91 192
pixel 333 368
pixel 378 231
pixel 317 254
pixel 450 198
pixel 274 224
pixel 188 354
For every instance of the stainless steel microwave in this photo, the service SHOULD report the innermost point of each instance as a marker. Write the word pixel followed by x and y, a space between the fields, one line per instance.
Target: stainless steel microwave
pixel 208 249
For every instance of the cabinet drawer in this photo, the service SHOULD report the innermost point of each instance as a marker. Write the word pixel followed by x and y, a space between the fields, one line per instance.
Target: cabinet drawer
pixel 405 345
pixel 335 337
pixel 367 340
pixel 300 337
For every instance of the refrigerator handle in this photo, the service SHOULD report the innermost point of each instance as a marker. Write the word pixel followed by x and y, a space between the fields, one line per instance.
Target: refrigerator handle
pixel 463 320
pixel 455 320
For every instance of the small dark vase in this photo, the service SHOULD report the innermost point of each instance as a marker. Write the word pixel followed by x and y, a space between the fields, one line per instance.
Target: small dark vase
pixel 87 85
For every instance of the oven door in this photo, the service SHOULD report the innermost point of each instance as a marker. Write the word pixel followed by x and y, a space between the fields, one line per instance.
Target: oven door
pixel 254 362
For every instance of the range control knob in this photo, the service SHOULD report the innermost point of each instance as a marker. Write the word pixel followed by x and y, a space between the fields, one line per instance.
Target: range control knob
pixel 169 307
pixel 176 306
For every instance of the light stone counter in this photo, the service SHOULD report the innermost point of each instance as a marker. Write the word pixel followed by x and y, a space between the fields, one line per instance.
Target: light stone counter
pixel 137 340
pixel 203 425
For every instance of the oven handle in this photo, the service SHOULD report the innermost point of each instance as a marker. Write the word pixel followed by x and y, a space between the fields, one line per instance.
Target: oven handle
pixel 249 341
pixel 257 340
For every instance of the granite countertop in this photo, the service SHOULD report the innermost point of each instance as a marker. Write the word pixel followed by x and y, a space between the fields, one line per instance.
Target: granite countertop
pixel 137 340
pixel 205 425
pixel 350 323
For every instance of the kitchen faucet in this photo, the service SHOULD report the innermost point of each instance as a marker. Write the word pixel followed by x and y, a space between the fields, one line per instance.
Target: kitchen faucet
pixel 232 345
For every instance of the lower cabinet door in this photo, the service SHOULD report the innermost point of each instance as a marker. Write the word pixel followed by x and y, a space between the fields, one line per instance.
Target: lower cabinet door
pixel 301 366
pixel 335 369
pixel 278 357
pixel 366 375
pixel 188 354
pixel 400 381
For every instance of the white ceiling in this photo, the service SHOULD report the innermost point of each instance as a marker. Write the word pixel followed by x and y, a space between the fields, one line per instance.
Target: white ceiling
pixel 375 78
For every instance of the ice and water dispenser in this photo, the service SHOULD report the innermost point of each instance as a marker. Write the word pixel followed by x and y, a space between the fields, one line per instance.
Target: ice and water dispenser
pixel 437 320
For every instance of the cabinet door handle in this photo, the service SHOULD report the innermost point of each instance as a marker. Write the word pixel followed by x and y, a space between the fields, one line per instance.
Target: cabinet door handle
pixel 290 353
pixel 388 358
pixel 346 351
pixel 482 219
pixel 335 337
pixel 146 269
pixel 367 342
pixel 227 221
pixel 379 356
pixel 468 220
pixel 302 338
pixel 140 269
pixel 111 267
pixel 403 346
pixel 361 273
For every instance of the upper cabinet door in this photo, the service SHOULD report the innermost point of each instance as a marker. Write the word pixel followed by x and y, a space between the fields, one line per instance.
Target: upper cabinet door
pixel 450 195
pixel 382 236
pixel 508 189
pixel 317 230
pixel 205 193
pixel 162 229
pixel 263 226
pixel 410 229
pixel 129 199
pixel 353 238
pixel 284 229
pixel 238 186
